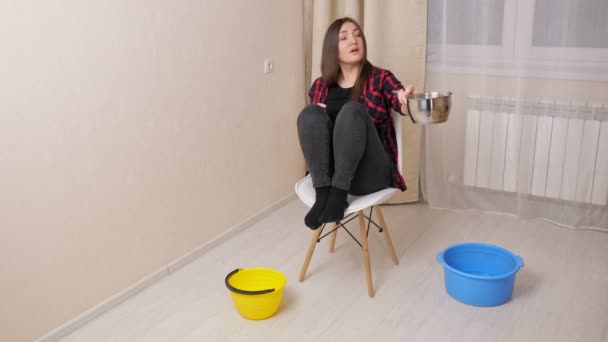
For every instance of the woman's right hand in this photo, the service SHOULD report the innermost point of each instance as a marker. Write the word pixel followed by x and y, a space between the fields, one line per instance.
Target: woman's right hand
pixel 322 105
pixel 404 93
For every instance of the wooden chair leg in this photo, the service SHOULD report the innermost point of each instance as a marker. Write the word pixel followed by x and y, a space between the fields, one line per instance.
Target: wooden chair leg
pixel 366 262
pixel 387 236
pixel 311 249
pixel 334 234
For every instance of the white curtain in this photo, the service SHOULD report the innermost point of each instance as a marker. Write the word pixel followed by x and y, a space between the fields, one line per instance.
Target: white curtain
pixel 528 130
pixel 395 31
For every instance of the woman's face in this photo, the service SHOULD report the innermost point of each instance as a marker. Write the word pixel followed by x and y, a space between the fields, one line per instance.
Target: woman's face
pixel 350 44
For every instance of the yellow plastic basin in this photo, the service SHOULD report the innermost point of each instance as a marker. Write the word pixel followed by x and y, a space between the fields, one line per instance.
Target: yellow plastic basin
pixel 256 292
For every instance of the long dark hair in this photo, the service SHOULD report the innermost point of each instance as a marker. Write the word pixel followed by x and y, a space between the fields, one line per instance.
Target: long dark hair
pixel 330 67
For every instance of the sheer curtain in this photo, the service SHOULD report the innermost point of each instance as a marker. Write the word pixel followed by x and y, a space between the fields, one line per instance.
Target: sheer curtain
pixel 528 130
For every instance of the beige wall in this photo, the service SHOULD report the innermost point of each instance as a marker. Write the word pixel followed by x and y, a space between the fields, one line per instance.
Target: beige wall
pixel 132 132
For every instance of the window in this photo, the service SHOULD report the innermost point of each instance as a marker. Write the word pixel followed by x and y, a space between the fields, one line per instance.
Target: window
pixel 460 29
pixel 570 23
pixel 472 29
pixel 547 38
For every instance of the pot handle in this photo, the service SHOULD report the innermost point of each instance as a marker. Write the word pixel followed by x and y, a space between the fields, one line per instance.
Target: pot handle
pixel 410 114
pixel 243 292
pixel 407 106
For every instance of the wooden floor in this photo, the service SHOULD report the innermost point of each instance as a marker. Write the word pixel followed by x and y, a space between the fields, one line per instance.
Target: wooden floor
pixel 560 295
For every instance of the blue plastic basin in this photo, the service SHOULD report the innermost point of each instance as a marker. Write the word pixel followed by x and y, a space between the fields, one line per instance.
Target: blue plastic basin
pixel 479 274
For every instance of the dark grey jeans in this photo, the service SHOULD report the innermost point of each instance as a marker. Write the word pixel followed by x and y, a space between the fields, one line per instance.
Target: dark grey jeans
pixel 348 155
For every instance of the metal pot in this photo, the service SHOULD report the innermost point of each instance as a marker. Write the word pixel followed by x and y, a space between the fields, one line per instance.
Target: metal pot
pixel 429 108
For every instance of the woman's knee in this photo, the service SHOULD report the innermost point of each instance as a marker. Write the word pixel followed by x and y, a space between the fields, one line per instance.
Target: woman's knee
pixel 352 111
pixel 311 114
pixel 354 107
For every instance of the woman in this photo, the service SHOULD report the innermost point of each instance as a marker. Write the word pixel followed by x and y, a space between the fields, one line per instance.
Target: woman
pixel 346 133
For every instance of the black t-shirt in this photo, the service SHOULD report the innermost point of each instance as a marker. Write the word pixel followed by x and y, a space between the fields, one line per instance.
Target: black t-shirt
pixel 336 98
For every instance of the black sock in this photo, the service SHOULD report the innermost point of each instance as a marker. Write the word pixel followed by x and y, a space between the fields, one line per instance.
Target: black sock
pixel 336 205
pixel 312 218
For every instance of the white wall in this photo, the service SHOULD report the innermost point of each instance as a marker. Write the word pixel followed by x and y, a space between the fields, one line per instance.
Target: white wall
pixel 132 132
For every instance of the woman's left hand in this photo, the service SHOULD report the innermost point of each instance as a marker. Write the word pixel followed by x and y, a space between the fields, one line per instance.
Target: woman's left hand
pixel 404 93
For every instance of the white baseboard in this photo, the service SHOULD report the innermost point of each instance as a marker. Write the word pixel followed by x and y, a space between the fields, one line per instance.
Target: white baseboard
pixel 96 311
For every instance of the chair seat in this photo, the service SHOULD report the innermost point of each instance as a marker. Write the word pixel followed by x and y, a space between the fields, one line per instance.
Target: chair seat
pixel 306 193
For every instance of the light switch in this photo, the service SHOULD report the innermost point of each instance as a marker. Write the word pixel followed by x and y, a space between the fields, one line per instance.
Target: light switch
pixel 268 66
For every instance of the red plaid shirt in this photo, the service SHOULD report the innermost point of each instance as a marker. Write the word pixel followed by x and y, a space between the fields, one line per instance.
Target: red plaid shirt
pixel 378 99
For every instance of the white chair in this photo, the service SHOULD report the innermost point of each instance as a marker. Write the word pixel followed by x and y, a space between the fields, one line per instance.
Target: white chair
pixel 357 204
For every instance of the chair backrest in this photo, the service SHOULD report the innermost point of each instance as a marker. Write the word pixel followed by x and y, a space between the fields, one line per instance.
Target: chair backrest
pixel 397 124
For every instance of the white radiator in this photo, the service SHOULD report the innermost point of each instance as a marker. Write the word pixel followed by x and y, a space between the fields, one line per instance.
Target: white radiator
pixel 545 149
